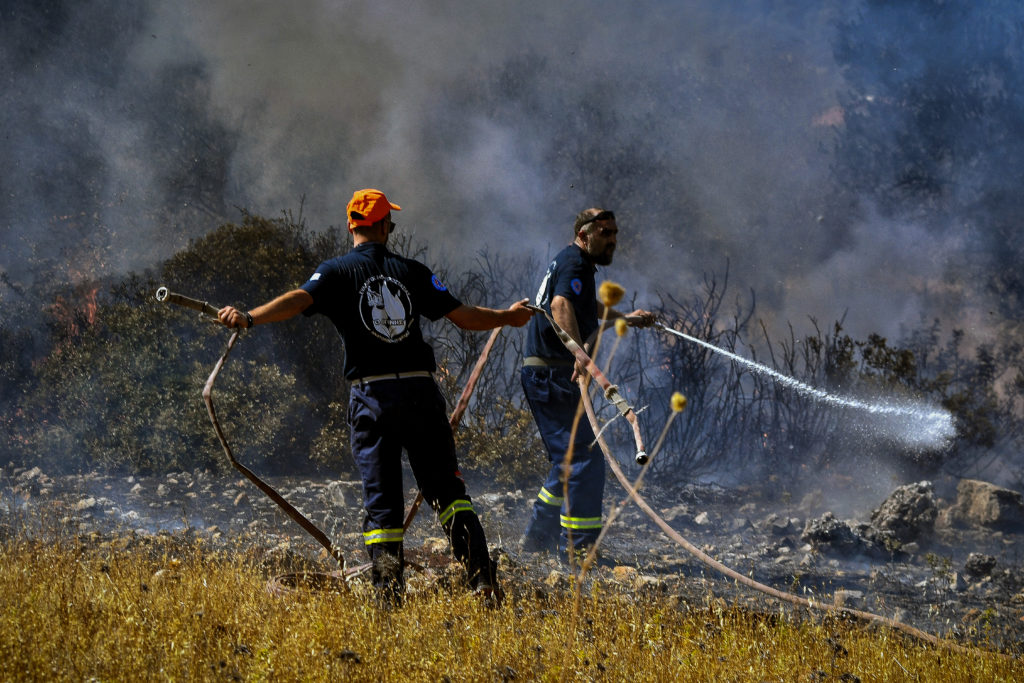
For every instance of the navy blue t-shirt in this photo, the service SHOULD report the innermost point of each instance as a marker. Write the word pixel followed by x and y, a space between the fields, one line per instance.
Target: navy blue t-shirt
pixel 375 299
pixel 570 275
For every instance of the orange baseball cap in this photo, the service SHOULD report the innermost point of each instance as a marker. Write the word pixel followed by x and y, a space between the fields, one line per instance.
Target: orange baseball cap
pixel 367 207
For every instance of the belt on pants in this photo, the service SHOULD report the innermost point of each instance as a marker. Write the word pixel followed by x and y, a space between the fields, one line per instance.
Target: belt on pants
pixel 391 375
pixel 538 361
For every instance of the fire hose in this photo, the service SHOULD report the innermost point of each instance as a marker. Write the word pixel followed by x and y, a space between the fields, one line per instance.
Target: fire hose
pixel 674 535
pixel 205 308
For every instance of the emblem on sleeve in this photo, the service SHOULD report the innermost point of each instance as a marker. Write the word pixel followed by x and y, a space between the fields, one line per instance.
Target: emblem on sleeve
pixel 577 285
pixel 385 308
pixel 438 285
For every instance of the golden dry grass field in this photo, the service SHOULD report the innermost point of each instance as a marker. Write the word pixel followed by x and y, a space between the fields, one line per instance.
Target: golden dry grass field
pixel 161 608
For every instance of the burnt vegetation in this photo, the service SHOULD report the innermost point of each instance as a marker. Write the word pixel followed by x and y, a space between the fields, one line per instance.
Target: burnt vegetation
pixel 113 380
pixel 931 134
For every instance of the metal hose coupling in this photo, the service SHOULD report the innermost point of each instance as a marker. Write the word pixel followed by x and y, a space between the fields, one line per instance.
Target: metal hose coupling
pixel 642 457
pixel 166 296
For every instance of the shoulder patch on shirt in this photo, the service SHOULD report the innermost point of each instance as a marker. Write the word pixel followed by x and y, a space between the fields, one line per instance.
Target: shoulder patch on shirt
pixel 316 276
pixel 438 285
pixel 577 285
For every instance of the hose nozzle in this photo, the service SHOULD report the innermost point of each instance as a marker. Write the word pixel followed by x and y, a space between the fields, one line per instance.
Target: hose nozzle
pixel 166 296
pixel 642 457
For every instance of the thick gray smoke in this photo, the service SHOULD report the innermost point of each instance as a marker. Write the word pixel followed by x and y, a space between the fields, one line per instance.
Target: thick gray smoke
pixel 719 132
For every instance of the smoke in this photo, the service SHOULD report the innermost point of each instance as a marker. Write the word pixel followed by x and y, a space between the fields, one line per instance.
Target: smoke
pixel 750 134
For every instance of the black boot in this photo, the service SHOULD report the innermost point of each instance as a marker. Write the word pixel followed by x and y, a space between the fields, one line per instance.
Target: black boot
pixel 484 583
pixel 387 574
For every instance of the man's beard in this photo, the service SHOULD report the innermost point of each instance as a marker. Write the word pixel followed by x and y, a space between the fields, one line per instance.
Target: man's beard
pixel 603 258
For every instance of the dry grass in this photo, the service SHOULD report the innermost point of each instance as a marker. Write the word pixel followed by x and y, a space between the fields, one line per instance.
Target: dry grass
pixel 131 609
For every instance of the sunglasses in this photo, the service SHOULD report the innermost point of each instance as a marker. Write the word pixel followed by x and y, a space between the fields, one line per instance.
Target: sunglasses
pixel 603 216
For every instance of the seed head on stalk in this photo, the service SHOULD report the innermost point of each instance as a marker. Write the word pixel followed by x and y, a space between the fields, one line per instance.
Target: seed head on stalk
pixel 610 293
pixel 678 403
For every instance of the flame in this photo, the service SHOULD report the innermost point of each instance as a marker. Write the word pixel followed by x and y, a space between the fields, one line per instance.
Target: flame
pixel 78 311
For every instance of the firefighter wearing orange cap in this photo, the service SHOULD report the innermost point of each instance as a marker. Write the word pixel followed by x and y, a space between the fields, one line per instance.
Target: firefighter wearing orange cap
pixel 375 299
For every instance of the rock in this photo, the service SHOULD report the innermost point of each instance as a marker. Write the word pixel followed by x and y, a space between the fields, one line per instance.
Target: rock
pixel 979 565
pixel 624 574
pixel 675 512
pixel 29 475
pixel 957 582
pixel 344 494
pixel 436 545
pixel 908 514
pixel 85 504
pixel 830 534
pixel 703 519
pixel 649 584
pixel 848 598
pixel 740 524
pixel 557 580
pixel 778 526
pixel 489 500
pixel 979 503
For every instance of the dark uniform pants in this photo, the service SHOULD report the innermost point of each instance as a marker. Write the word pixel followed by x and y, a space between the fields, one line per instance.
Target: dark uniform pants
pixel 384 417
pixel 557 518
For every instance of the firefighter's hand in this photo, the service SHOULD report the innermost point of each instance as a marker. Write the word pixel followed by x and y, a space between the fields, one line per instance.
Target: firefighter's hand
pixel 578 370
pixel 519 314
pixel 230 316
pixel 640 318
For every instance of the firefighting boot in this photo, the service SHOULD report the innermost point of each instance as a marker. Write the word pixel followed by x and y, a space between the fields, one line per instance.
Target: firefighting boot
pixel 388 577
pixel 484 583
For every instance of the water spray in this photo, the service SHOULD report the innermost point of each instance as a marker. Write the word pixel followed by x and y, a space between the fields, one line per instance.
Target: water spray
pixel 936 426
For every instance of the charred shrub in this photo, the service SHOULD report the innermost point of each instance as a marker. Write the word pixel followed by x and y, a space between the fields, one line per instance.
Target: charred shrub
pixel 124 390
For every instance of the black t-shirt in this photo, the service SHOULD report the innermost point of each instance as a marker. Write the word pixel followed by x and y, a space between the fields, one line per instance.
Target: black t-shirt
pixel 570 275
pixel 375 299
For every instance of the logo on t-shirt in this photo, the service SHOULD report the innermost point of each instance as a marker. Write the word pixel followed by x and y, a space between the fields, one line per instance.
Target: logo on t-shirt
pixel 577 285
pixel 384 305
pixel 438 285
pixel 542 293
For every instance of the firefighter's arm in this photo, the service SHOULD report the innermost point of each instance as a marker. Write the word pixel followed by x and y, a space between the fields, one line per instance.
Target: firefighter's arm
pixel 481 318
pixel 288 305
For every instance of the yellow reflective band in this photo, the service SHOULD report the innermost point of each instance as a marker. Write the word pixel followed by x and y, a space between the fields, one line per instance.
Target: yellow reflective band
pixel 456 506
pixel 581 522
pixel 383 536
pixel 549 498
